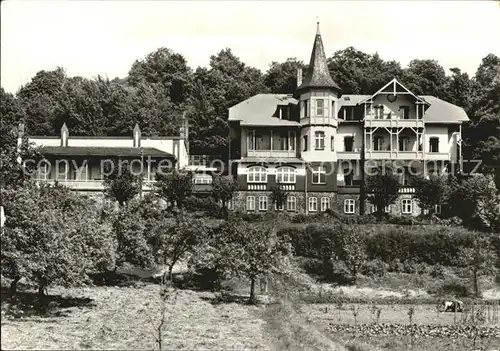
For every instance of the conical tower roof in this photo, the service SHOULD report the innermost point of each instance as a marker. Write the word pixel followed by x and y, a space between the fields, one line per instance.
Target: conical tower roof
pixel 318 75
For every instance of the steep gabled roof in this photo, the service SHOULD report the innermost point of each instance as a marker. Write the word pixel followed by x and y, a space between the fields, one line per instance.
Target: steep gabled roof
pixel 318 75
pixel 392 87
pixel 260 108
pixel 441 111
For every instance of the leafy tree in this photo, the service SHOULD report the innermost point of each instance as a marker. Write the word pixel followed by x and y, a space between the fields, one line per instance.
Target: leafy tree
pixel 426 77
pixel 177 238
pixel 480 258
pixel 278 196
pixel 460 89
pixel 281 78
pixel 223 189
pixel 40 98
pixel 174 187
pixel 360 73
pixel 53 236
pixel 430 192
pixel 382 190
pixel 353 250
pixel 475 200
pixel 120 183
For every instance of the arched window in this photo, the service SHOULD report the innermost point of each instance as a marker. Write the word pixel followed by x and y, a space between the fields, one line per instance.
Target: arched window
pixel 285 175
pixel 257 174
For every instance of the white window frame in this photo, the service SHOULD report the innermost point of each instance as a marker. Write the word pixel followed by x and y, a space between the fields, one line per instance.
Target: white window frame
pixel 404 144
pixel 255 172
pixel 66 170
pixel 406 206
pixel 325 203
pixel 430 144
pixel 318 171
pixel 202 178
pixel 332 143
pixel 437 209
pixel 281 208
pixel 285 175
pixel 250 205
pixel 387 209
pixel 312 204
pixel 43 171
pixel 349 206
pixel 263 203
pixel 291 203
pixel 319 140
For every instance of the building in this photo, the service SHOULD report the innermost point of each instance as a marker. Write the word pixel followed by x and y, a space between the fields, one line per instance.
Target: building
pixel 320 144
pixel 81 162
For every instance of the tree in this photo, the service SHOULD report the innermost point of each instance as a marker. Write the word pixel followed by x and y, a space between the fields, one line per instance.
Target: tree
pixel 426 77
pixel 382 190
pixel 430 192
pixel 223 189
pixel 353 250
pixel 281 78
pixel 174 187
pixel 177 238
pixel 120 183
pixel 251 251
pixel 475 200
pixel 278 196
pixel 53 236
pixel 480 258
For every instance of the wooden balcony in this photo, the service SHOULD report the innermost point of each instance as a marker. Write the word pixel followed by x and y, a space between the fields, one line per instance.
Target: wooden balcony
pixel 372 122
pixel 325 121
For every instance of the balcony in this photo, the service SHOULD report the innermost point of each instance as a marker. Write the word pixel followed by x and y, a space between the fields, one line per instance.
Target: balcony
pixel 272 153
pixel 394 155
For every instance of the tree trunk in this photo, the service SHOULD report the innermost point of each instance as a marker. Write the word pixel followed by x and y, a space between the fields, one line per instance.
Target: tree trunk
pixel 475 282
pixel 252 291
pixel 170 275
pixel 13 286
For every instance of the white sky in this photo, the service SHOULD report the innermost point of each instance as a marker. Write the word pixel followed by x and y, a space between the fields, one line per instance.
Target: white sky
pixel 106 37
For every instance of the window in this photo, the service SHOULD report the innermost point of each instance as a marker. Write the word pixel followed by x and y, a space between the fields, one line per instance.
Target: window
pixel 319 140
pixel 62 170
pixel 348 143
pixel 349 113
pixel 407 206
pixel 348 176
pixel 434 145
pixel 379 112
pixel 250 203
pixel 291 203
pixel 320 106
pixel 263 203
pixel 43 170
pixel 405 111
pixel 281 208
pixel 387 209
pixel 285 175
pixel 332 143
pixel 306 109
pixel 319 175
pixel 257 174
pixel 404 144
pixel 349 206
pixel 333 109
pixel 378 143
pixel 437 209
pixel 313 204
pixel 325 203
pixel 420 111
pixel 304 141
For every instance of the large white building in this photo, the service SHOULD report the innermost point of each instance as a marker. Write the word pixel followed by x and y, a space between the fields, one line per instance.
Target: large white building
pixel 319 144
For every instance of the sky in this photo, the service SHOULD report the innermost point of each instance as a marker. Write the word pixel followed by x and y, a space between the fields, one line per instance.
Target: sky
pixel 88 38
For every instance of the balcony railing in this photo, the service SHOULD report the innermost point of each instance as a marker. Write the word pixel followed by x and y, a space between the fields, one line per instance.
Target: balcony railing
pixel 271 153
pixel 371 121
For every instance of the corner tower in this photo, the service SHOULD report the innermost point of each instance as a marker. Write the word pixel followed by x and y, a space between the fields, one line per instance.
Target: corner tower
pixel 318 95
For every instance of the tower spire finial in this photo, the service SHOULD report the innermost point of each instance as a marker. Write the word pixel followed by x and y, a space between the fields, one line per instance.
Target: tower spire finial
pixel 317 26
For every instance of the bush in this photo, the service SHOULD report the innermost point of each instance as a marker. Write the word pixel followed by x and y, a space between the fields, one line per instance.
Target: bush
pixel 455 289
pixel 437 271
pixel 396 266
pixel 207 205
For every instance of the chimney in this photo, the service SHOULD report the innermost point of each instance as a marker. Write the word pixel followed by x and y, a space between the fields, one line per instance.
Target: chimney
pixel 64 135
pixel 299 77
pixel 137 135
